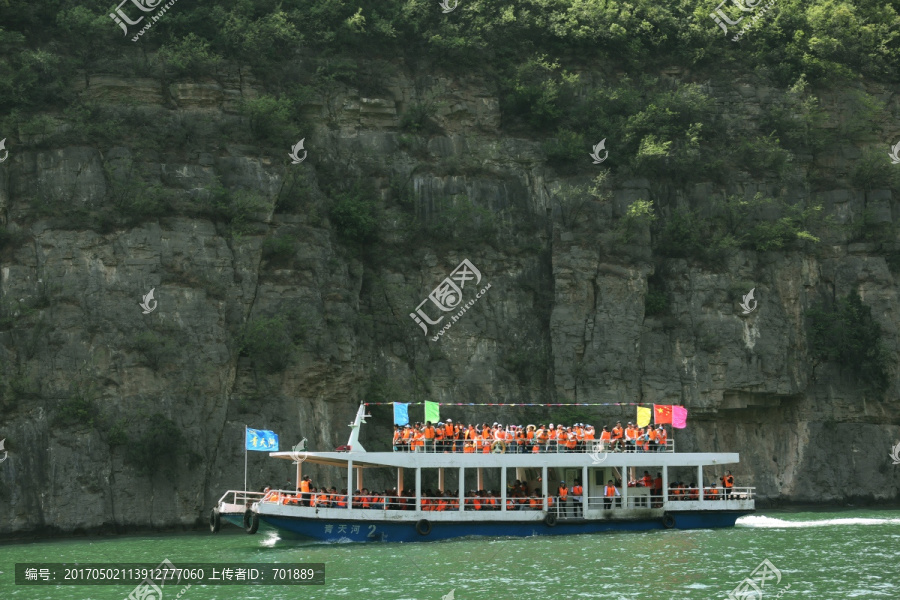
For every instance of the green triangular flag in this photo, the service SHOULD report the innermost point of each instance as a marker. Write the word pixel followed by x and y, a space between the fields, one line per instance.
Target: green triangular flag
pixel 432 412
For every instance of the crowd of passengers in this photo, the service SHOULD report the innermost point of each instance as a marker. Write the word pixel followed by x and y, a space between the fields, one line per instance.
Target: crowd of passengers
pixel 446 436
pixel 517 497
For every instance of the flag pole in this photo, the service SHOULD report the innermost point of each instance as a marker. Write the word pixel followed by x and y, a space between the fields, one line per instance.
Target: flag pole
pixel 245 458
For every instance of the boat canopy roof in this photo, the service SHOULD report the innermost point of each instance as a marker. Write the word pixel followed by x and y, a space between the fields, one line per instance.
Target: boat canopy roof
pixel 414 460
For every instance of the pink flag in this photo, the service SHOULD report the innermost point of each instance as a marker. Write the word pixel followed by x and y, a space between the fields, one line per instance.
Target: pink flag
pixel 679 417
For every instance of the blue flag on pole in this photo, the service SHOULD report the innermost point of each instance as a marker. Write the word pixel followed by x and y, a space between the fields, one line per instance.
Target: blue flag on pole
pixel 401 413
pixel 262 440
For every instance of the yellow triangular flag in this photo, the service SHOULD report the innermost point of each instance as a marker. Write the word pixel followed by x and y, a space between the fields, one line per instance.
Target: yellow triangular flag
pixel 643 416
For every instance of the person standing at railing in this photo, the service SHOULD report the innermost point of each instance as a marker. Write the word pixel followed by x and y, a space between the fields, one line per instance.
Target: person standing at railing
pixel 398 438
pixel 542 435
pixel 577 497
pixel 728 482
pixel 570 439
pixel 609 494
pixel 551 438
pixel 305 484
pixel 617 433
pixel 429 434
pixel 589 436
pixel 439 437
pixel 521 438
pixel 450 436
pixel 662 438
pixel 406 438
pixel 563 495
pixel 653 438
pixel 656 490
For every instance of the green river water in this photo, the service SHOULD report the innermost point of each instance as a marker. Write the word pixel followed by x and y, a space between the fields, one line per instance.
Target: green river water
pixel 820 555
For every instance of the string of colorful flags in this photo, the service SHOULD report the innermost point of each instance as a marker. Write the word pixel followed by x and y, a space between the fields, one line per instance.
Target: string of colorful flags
pixel 671 414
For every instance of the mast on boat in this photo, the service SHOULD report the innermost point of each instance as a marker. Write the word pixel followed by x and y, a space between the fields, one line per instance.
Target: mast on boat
pixel 353 442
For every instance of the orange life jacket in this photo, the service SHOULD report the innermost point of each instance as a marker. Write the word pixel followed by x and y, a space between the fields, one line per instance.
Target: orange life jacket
pixel 610 491
pixel 729 481
pixel 304 486
pixel 563 493
pixel 604 436
pixel 617 433
pixel 429 433
pixel 577 490
pixel 448 431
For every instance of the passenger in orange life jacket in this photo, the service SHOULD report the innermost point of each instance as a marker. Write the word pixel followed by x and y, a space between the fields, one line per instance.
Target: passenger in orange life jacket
pixel 617 433
pixel 551 442
pixel 449 436
pixel 577 497
pixel 609 494
pixel 429 433
pixel 563 494
pixel 728 482
pixel 439 437
pixel 305 491
pixel 398 438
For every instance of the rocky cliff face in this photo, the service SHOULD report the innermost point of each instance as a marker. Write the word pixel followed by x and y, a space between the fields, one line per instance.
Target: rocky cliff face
pixel 86 372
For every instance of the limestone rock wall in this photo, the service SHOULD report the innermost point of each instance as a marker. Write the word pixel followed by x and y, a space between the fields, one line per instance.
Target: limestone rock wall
pixel 564 317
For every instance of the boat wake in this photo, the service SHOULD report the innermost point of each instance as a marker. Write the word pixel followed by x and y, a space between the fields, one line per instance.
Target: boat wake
pixel 762 522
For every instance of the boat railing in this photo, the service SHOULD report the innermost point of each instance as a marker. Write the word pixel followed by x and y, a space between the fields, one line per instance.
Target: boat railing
pixel 712 494
pixel 400 503
pixel 240 497
pixel 552 447
pixel 571 507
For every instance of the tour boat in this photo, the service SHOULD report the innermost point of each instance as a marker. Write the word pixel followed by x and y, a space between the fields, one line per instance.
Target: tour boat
pixel 629 509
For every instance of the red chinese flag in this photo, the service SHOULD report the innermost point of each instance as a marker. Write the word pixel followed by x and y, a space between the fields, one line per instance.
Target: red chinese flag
pixel 662 413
